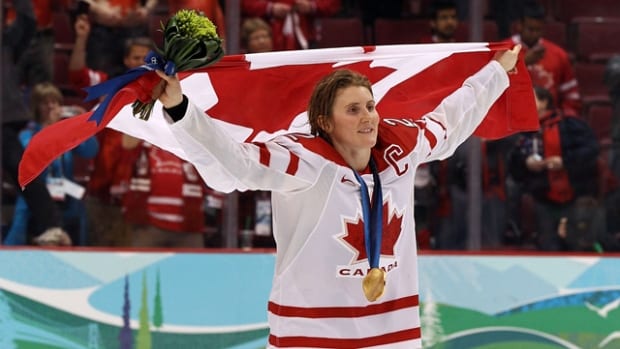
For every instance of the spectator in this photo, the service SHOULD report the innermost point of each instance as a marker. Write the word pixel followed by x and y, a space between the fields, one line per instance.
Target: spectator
pixel 115 21
pixel 15 39
pixel 548 63
pixel 508 14
pixel 444 22
pixel 36 64
pixel 557 166
pixel 46 100
pixel 256 36
pixel 111 173
pixel 494 204
pixel 292 21
pixel 164 203
pixel 210 8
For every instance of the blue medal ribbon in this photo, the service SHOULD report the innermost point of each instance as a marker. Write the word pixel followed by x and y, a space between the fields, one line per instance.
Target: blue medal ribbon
pixel 153 61
pixel 372 214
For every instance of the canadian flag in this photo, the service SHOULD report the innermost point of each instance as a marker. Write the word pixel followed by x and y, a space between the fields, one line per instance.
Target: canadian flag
pixel 257 96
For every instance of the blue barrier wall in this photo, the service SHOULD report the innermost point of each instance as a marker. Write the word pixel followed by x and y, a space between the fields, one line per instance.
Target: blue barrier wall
pixel 122 299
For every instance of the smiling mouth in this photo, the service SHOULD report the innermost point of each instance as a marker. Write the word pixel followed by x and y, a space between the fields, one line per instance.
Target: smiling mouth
pixel 366 130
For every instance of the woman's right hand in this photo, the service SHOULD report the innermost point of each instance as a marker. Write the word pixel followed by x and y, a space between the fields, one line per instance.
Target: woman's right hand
pixel 168 91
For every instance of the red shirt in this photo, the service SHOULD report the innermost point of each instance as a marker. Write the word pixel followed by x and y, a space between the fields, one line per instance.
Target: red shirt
pixel 555 73
pixel 210 8
pixel 169 188
pixel 281 41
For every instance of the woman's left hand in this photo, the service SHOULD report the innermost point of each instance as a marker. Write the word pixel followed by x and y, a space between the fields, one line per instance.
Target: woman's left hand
pixel 508 59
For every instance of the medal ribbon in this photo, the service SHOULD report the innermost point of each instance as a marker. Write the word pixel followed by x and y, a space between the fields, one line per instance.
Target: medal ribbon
pixel 372 215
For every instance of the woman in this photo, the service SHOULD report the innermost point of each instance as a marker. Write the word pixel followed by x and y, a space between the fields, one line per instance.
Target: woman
pixel 256 36
pixel 346 264
pixel 46 102
pixel 293 22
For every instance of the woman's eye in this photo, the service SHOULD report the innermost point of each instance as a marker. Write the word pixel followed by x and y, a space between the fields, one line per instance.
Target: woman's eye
pixel 371 108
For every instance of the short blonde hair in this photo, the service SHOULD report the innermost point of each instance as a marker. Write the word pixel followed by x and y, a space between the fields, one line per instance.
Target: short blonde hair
pixel 251 25
pixel 40 93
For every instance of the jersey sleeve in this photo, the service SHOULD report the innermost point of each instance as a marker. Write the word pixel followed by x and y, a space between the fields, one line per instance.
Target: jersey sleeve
pixel 227 165
pixel 459 114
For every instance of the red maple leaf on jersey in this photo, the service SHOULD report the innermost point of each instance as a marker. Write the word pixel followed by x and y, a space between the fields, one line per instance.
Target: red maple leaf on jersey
pixel 354 235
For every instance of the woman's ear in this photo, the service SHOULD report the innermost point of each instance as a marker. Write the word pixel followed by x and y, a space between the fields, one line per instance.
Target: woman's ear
pixel 324 123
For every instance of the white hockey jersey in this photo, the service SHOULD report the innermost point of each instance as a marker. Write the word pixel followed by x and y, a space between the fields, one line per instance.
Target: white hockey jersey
pixel 316 299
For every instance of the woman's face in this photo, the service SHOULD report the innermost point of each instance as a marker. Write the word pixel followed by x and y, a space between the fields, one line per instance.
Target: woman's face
pixel 354 122
pixel 260 41
pixel 49 111
pixel 136 55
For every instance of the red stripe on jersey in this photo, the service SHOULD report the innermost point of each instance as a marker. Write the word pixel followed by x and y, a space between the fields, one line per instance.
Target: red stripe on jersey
pixel 293 164
pixel 343 312
pixel 265 157
pixel 322 342
pixel 264 154
pixel 429 135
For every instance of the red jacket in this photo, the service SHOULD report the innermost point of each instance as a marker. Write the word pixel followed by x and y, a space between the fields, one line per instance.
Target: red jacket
pixel 169 188
pixel 305 23
pixel 210 8
pixel 555 73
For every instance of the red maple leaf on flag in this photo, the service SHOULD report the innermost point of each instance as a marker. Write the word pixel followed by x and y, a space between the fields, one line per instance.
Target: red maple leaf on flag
pixel 354 235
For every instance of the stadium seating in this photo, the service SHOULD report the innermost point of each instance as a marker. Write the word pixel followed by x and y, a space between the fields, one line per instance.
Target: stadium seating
pixel 489 31
pixel 599 118
pixel 595 39
pixel 567 10
pixel 591 86
pixel 400 31
pixel 556 32
pixel 341 32
pixel 64 35
pixel 61 69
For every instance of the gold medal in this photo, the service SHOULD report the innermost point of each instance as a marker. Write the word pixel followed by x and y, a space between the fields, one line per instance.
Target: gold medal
pixel 374 284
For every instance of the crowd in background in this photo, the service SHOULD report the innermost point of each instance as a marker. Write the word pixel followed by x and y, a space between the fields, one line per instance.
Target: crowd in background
pixel 555 190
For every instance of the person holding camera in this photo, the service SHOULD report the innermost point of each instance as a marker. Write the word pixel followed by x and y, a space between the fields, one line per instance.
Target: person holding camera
pixel 46 102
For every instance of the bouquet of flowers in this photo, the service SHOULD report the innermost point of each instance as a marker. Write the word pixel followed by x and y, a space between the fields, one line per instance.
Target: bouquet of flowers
pixel 190 42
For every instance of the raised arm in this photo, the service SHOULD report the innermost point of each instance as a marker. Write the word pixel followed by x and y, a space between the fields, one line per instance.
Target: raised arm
pixel 224 163
pixel 77 60
pixel 459 114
